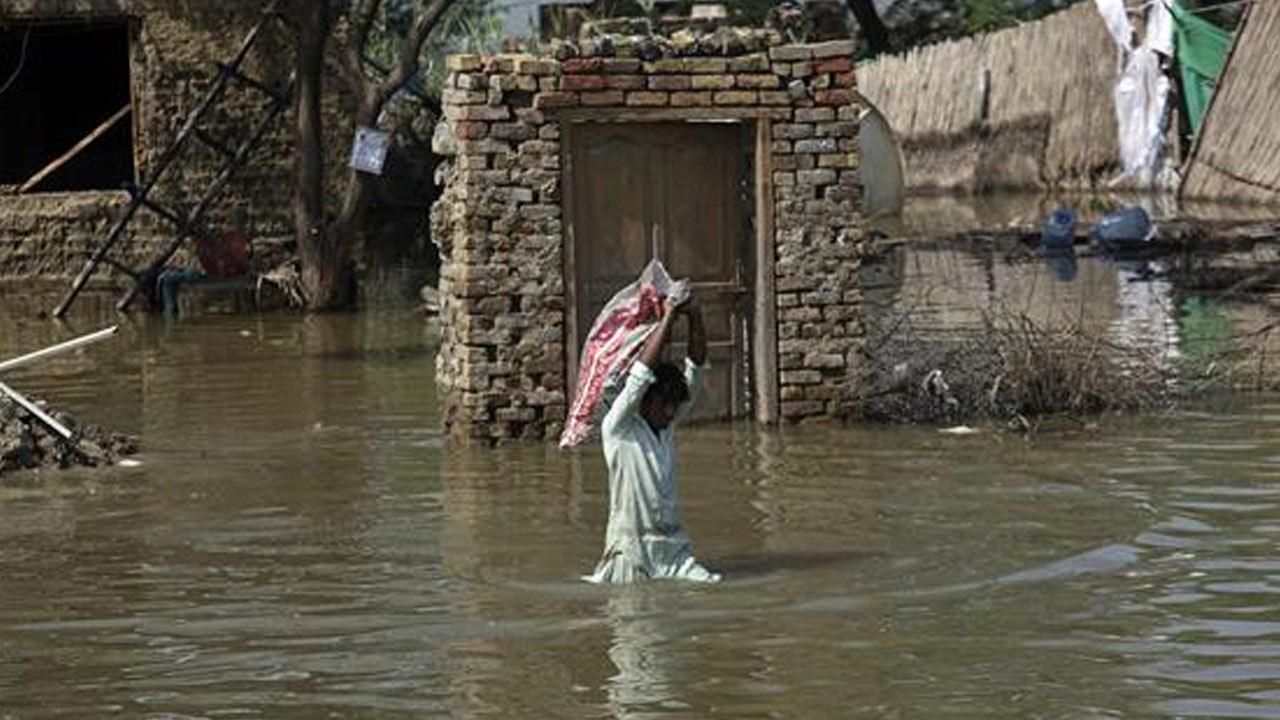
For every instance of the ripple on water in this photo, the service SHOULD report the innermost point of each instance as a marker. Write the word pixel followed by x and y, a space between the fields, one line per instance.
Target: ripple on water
pixel 1212 708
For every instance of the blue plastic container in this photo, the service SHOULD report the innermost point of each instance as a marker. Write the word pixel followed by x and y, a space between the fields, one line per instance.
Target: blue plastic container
pixel 1129 226
pixel 1060 229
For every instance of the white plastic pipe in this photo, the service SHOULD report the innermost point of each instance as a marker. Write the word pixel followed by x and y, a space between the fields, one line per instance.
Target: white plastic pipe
pixel 35 410
pixel 57 349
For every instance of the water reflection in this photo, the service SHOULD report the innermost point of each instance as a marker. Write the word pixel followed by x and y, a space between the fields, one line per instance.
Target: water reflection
pixel 1215 586
pixel 1145 320
pixel 933 290
pixel 1061 262
pixel 645 669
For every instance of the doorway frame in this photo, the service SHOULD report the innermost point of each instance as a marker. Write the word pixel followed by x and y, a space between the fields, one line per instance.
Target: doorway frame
pixel 762 347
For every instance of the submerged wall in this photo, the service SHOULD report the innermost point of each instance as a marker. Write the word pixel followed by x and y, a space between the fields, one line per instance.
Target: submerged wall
pixel 500 223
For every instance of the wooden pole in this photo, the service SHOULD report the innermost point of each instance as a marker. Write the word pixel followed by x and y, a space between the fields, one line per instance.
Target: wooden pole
pixel 75 150
pixel 58 349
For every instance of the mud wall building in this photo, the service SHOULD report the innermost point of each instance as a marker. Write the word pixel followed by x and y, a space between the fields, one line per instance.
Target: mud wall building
pixel 735 163
pixel 80 63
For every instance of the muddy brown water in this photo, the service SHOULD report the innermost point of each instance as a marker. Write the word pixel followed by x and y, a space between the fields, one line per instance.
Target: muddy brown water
pixel 298 542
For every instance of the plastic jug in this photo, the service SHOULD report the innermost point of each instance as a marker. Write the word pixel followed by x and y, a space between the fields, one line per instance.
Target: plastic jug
pixel 1127 226
pixel 1060 229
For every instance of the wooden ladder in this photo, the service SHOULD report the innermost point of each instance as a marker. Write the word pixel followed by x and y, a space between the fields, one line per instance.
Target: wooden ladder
pixel 186 221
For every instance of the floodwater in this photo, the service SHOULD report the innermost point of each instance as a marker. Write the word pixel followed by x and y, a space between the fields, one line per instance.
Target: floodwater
pixel 1170 309
pixel 934 289
pixel 299 542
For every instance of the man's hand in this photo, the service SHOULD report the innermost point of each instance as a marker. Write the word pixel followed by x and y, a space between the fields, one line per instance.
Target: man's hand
pixel 670 307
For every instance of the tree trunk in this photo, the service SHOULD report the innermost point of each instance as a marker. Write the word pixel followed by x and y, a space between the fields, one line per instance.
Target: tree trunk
pixel 328 279
pixel 342 234
pixel 322 277
pixel 873 29
pixel 327 273
pixel 327 244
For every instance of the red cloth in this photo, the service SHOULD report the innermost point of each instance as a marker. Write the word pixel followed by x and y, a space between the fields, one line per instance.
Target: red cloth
pixel 614 343
pixel 225 256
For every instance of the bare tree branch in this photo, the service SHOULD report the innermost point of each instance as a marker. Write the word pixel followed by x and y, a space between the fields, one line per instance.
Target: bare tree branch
pixel 873 29
pixel 409 64
pixel 362 21
pixel 352 66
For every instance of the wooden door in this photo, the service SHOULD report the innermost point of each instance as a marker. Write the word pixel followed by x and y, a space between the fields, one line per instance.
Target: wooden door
pixel 678 192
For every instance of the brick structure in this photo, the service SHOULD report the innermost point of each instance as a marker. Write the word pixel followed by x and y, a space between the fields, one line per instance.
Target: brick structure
pixel 501 230
pixel 172 48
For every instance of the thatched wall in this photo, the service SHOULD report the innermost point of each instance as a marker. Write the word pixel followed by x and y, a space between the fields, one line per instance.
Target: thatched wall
pixel 1238 156
pixel 1028 107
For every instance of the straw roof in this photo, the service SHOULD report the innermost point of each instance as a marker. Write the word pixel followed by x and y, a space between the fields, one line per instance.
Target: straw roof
pixel 1237 156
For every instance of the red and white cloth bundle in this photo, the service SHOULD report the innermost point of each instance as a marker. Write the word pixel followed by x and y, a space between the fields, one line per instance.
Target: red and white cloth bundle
pixel 613 343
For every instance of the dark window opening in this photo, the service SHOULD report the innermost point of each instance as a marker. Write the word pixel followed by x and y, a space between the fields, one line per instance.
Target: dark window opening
pixel 58 83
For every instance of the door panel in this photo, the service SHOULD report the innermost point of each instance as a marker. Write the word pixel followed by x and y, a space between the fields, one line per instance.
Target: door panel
pixel 704 239
pixel 701 208
pixel 674 191
pixel 612 209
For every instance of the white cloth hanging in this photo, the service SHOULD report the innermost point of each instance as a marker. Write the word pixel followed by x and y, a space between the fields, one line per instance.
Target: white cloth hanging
pixel 1142 91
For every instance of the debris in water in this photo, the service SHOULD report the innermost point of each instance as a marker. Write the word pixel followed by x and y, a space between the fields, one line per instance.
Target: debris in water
pixel 27 443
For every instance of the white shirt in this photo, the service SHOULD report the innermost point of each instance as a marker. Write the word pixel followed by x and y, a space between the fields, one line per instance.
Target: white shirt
pixel 645 536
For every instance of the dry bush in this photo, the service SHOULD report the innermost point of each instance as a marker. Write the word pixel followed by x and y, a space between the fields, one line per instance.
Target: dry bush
pixel 1010 369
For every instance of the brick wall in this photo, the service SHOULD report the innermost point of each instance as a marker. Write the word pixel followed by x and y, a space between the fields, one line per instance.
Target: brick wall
pixel 500 228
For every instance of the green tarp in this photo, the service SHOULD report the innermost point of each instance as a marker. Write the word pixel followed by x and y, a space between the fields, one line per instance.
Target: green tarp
pixel 1202 49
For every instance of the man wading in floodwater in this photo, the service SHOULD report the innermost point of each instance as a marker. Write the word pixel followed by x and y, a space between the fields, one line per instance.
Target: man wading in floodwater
pixel 645 537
